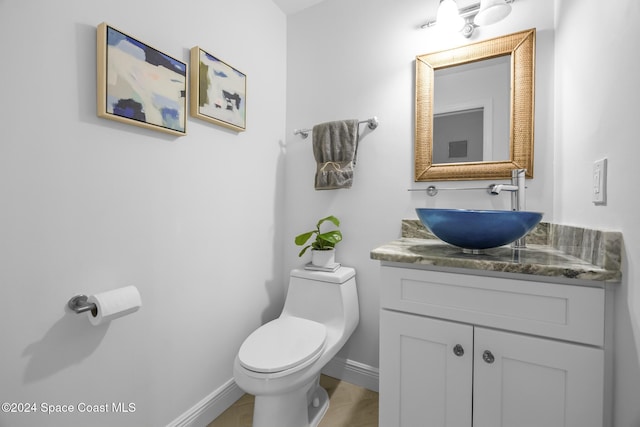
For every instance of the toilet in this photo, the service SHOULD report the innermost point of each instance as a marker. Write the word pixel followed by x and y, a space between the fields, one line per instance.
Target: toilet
pixel 280 362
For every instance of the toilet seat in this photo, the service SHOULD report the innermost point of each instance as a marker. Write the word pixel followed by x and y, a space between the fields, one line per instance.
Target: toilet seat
pixel 282 344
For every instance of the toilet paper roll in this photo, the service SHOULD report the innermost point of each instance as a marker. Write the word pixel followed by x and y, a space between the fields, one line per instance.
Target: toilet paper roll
pixel 113 304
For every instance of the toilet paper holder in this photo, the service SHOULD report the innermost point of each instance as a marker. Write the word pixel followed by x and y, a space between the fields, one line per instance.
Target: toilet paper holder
pixel 79 305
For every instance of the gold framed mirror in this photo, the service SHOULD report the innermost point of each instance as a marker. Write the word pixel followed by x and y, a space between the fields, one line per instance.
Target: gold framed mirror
pixel 521 49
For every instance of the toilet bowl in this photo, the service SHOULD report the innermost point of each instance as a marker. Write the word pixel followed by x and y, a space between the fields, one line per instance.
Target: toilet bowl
pixel 280 362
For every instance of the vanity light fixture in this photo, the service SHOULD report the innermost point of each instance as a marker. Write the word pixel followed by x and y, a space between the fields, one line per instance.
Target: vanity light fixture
pixel 466 20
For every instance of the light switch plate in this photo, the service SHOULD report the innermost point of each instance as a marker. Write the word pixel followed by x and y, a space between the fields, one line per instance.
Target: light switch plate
pixel 600 182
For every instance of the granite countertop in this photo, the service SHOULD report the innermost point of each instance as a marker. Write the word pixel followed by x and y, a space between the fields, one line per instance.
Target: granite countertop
pixel 552 251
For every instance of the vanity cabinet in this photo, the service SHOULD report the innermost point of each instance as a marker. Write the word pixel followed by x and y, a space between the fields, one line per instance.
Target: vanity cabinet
pixel 460 350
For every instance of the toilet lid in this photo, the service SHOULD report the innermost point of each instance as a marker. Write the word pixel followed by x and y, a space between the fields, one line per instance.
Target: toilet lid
pixel 282 344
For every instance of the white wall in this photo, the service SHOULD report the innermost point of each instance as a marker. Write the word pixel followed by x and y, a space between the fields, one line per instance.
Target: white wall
pixel 597 69
pixel 89 205
pixel 355 59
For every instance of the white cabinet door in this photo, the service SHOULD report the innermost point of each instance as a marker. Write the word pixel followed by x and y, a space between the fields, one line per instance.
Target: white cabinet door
pixel 422 381
pixel 534 382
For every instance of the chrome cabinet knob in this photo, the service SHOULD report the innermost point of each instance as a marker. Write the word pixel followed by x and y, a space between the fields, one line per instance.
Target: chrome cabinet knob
pixel 458 350
pixel 488 357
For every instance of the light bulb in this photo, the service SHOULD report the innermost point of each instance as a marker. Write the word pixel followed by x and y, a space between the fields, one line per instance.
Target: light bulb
pixel 448 16
pixel 492 11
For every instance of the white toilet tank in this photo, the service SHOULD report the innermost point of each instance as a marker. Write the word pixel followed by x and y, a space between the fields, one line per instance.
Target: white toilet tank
pixel 324 297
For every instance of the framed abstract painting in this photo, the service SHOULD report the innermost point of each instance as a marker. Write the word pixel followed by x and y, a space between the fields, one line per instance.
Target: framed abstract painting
pixel 218 91
pixel 138 84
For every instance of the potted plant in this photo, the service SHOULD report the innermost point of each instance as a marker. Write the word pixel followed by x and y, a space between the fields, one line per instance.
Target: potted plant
pixel 322 248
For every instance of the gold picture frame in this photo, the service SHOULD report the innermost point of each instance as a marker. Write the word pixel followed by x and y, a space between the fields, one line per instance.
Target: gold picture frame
pixel 218 91
pixel 138 84
pixel 521 47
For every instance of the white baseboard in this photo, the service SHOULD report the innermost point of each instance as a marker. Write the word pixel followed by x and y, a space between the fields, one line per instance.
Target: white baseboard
pixel 209 408
pixel 353 372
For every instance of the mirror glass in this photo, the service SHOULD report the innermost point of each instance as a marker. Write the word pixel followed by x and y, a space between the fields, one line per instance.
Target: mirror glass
pixel 474 110
pixel 471 111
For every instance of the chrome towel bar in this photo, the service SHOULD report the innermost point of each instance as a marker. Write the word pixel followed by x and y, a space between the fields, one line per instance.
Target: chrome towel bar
pixel 372 123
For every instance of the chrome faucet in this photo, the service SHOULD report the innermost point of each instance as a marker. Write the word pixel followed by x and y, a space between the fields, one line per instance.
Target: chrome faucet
pixel 518 199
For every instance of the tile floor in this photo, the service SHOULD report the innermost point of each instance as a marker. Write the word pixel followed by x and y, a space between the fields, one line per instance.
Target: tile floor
pixel 350 406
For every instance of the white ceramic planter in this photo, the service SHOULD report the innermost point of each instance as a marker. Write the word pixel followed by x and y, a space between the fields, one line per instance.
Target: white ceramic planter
pixel 324 258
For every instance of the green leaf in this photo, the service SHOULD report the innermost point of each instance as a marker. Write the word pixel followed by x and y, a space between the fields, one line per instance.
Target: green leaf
pixel 333 236
pixel 331 218
pixel 304 250
pixel 302 238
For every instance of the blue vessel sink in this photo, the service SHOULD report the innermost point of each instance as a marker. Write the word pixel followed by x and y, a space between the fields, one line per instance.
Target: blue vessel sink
pixel 478 229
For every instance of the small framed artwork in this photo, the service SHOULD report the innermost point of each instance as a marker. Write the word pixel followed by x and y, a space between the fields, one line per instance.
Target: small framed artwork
pixel 140 85
pixel 218 91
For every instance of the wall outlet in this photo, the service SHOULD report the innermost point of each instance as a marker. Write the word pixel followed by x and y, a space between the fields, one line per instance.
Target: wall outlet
pixel 600 182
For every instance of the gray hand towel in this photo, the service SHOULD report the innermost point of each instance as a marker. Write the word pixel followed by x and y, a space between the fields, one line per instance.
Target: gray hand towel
pixel 335 145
